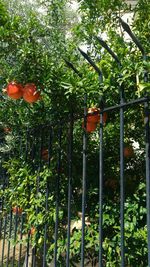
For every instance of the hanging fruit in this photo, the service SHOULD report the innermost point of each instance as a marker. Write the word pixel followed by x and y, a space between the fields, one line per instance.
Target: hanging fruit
pixel 93 115
pixel 31 94
pixel 128 152
pixel 90 127
pixel 32 231
pixel 45 154
pixel 14 90
pixel 7 129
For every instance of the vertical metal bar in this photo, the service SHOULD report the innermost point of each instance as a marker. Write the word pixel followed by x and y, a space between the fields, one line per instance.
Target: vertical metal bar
pixel 15 236
pixel 101 180
pixel 2 200
pixel 50 146
pixel 33 152
pixel 26 157
pixel 101 193
pixel 41 146
pixel 3 215
pixel 70 150
pixel 1 218
pixel 41 136
pixel 21 234
pixel 22 217
pixel 9 236
pixel 47 194
pixel 33 256
pixel 20 143
pixel 147 148
pixel 28 246
pixel 57 195
pixel 40 159
pixel 27 145
pixel 33 148
pixel 84 181
pixel 4 237
pixel 122 193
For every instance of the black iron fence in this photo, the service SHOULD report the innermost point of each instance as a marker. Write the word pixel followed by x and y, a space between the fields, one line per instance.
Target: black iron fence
pixel 44 180
pixel 47 156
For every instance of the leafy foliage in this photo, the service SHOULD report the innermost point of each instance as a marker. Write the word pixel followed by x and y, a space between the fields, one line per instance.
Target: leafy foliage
pixel 33 46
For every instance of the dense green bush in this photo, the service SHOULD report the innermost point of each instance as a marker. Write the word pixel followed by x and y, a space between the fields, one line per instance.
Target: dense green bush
pixel 32 49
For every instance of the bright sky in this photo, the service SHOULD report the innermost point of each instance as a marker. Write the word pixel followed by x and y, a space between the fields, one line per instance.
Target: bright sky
pixel 75 5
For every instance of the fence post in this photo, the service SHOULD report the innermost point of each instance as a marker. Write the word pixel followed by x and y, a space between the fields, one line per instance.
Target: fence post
pixel 122 193
pixel 84 180
pixel 70 152
pixel 147 149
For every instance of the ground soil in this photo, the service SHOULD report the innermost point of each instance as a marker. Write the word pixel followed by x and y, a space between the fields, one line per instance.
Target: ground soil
pixel 5 255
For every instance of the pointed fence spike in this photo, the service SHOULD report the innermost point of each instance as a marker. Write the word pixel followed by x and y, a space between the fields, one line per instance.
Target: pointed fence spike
pixel 126 27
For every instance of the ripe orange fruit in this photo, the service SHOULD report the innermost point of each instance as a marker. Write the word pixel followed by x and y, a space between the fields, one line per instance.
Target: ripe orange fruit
pixel 7 129
pixel 32 231
pixel 17 210
pixel 14 90
pixel 94 116
pixel 31 94
pixel 45 154
pixel 90 126
pixel 128 151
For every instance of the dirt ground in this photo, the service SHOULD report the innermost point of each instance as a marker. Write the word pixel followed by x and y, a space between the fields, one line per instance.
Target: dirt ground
pixel 5 255
pixel 23 255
